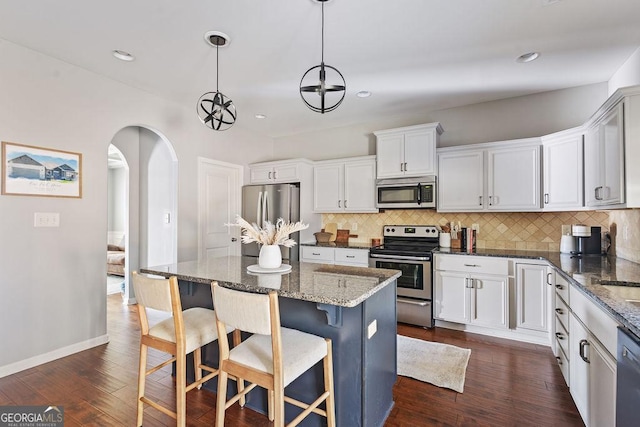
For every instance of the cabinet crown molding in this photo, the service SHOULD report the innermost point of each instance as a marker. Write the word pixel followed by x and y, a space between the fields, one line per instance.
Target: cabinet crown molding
pixel 435 125
pixel 497 144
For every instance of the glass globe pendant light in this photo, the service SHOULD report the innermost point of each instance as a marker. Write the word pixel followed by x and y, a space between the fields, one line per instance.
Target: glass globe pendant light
pixel 215 109
pixel 322 97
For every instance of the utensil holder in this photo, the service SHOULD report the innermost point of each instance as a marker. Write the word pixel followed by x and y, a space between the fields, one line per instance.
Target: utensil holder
pixel 455 243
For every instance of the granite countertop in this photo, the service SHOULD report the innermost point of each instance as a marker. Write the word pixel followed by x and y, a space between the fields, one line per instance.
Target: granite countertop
pixel 352 245
pixel 590 274
pixel 321 283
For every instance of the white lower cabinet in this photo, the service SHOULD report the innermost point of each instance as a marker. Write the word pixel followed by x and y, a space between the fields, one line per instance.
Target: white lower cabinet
pixel 593 340
pixel 593 377
pixel 333 255
pixel 532 296
pixel 472 298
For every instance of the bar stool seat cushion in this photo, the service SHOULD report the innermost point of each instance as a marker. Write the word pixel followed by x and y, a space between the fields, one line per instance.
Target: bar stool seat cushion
pixel 199 325
pixel 300 351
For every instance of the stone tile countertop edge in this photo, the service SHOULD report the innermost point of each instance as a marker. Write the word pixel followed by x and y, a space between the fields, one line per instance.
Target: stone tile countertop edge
pixel 343 286
pixel 588 274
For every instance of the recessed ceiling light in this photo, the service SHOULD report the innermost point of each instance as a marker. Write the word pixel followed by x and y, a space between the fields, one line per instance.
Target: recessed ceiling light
pixel 122 55
pixel 363 94
pixel 260 116
pixel 528 57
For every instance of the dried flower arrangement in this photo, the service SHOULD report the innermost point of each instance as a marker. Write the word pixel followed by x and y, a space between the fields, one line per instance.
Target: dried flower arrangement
pixel 271 234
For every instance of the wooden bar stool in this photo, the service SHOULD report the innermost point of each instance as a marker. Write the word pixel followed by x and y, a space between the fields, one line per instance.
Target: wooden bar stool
pixel 185 332
pixel 271 358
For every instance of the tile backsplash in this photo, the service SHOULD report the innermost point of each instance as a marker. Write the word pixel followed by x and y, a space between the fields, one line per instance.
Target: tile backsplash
pixel 625 233
pixel 498 230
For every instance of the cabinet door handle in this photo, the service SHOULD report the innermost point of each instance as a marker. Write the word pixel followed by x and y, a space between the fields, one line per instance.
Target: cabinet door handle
pixel 559 361
pixel 468 282
pixel 546 198
pixel 549 279
pixel 490 200
pixel 471 265
pixel 401 167
pixel 274 175
pixel 345 204
pixel 559 311
pixel 350 256
pixel 583 347
pixel 560 335
pixel 269 175
pixel 233 239
pixel 315 253
pixel 405 166
pixel 480 200
pixel 339 203
pixel 598 196
pixel 559 287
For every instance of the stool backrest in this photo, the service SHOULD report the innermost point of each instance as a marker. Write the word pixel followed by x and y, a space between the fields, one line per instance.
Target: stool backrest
pixel 242 310
pixel 152 293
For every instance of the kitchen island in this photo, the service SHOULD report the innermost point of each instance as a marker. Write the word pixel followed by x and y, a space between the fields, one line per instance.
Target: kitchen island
pixel 353 306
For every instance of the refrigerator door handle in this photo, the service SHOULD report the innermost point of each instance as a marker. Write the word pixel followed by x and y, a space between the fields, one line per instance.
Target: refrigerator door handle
pixel 258 208
pixel 265 208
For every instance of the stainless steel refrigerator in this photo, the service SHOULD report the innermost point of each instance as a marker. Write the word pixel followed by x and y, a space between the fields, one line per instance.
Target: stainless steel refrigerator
pixel 270 202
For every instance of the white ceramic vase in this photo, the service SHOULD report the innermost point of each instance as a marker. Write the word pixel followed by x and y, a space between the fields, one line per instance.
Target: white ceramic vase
pixel 270 256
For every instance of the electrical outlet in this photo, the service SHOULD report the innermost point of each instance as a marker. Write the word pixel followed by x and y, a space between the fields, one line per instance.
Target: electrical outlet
pixel 354 226
pixel 475 226
pixel 626 233
pixel 372 328
pixel 46 219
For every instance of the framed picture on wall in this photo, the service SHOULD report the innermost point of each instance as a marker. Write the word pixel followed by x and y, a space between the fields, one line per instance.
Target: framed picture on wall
pixel 38 171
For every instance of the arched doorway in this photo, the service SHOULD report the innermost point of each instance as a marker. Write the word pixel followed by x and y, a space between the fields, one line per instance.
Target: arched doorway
pixel 151 205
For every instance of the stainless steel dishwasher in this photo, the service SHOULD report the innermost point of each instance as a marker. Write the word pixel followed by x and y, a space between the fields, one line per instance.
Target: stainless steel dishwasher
pixel 628 379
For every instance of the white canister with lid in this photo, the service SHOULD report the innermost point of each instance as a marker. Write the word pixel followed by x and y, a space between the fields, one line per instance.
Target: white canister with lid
pixel 445 240
pixel 567 244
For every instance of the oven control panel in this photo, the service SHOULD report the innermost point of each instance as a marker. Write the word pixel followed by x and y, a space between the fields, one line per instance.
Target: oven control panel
pixel 410 231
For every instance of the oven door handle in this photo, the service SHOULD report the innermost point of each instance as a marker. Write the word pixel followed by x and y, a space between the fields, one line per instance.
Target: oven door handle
pixel 421 303
pixel 409 258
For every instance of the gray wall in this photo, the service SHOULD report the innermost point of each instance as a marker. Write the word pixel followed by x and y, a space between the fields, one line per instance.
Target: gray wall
pixel 53 281
pixel 158 193
pixel 117 199
pixel 521 117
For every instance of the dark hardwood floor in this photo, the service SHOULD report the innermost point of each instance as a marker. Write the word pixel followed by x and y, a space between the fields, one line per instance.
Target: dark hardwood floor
pixel 507 384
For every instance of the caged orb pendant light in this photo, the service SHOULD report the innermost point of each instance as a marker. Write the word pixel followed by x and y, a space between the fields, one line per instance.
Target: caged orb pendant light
pixel 322 97
pixel 214 109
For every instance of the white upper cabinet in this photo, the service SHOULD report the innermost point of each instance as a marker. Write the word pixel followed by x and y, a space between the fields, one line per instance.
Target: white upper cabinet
pixel 500 176
pixel 562 171
pixel 604 159
pixel 513 178
pixel 277 172
pixel 408 151
pixel 328 187
pixel 461 181
pixel 345 185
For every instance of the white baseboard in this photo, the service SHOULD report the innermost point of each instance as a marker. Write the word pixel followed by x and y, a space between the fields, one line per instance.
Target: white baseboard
pixel 31 362
pixel 533 337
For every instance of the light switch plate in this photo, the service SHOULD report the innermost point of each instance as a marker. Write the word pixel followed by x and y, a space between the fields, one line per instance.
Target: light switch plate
pixel 46 219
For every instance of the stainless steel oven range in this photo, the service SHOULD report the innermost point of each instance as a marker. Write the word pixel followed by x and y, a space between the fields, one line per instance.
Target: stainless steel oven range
pixel 408 248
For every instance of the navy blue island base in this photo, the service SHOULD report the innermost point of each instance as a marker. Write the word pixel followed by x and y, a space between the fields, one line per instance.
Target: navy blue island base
pixel 353 306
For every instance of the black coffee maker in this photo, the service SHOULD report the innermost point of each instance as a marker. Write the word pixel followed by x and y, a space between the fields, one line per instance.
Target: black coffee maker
pixel 588 240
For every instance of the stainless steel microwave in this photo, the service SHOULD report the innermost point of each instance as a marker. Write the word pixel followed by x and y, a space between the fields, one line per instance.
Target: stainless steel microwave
pixel 406 193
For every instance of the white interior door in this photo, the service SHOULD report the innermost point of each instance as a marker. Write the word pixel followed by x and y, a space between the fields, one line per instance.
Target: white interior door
pixel 219 195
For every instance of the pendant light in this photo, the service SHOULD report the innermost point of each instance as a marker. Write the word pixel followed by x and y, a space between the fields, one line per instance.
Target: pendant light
pixel 329 95
pixel 214 109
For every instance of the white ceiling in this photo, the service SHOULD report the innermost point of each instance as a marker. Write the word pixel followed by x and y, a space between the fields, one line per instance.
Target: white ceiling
pixel 411 54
